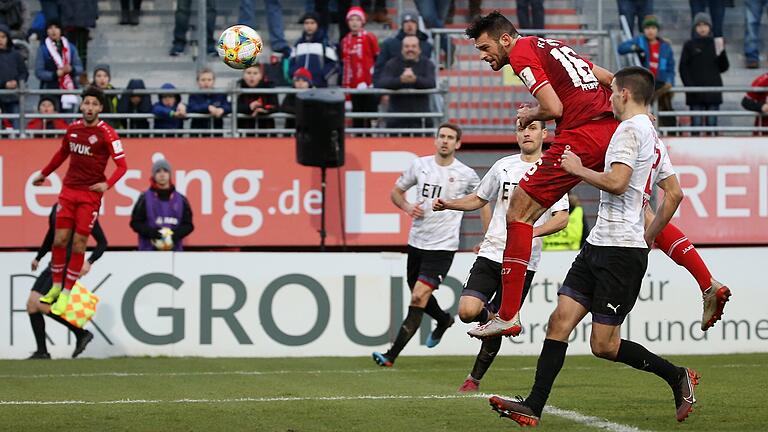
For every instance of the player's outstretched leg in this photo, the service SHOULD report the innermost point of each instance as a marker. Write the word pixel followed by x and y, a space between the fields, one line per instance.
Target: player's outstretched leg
pixel 407 330
pixel 488 350
pixel 715 295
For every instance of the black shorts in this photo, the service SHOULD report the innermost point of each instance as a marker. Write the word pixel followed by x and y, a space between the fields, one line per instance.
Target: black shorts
pixel 484 282
pixel 606 280
pixel 43 282
pixel 428 266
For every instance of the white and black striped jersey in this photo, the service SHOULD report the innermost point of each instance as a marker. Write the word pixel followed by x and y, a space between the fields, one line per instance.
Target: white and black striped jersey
pixel 498 184
pixel 437 230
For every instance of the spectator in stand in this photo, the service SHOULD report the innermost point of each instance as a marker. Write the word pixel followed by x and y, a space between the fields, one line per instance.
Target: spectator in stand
pixel 302 79
pixel 256 105
pixel 130 103
pixel 57 65
pixel 183 12
pixel 378 12
pixel 13 71
pixel 413 71
pixel 530 14
pixel 701 65
pixel 753 16
pixel 12 13
pixel 102 80
pixel 717 15
pixel 656 55
pixel 77 18
pixel 170 112
pixel 128 15
pixel 758 102
pixel 315 53
pixel 47 106
pixel 434 12
pixel 161 207
pixel 392 47
pixel 214 104
pixel 275 25
pixel 634 11
pixel 359 49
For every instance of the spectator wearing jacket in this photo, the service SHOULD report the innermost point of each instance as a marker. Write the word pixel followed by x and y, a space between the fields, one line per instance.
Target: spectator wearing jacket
pixel 161 207
pixel 102 79
pixel 170 112
pixel 302 80
pixel 130 103
pixel 758 102
pixel 47 106
pixel 359 49
pixel 701 66
pixel 13 71
pixel 655 55
pixel 256 105
pixel 314 53
pixel 57 65
pixel 215 104
pixel 409 71
pixel 392 47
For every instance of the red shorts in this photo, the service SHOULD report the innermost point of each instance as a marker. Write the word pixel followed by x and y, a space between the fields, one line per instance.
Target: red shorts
pixel 547 182
pixel 78 209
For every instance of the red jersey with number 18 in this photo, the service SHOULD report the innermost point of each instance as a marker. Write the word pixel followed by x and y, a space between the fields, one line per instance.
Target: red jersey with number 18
pixel 538 62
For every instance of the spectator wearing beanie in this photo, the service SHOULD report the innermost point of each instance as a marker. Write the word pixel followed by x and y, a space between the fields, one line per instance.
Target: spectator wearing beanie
pixel 169 111
pixel 314 53
pixel 47 106
pixel 359 49
pixel 758 102
pixel 391 47
pixel 701 66
pixel 302 80
pixel 161 206
pixel 130 103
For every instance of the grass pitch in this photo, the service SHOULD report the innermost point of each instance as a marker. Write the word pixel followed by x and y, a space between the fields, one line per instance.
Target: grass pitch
pixel 353 394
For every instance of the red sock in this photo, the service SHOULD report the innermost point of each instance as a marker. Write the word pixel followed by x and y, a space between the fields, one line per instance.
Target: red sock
pixel 676 245
pixel 516 255
pixel 73 270
pixel 58 261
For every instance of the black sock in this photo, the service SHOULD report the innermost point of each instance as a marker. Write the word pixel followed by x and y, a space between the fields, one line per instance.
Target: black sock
pixel 76 330
pixel 550 362
pixel 433 309
pixel 407 330
pixel 635 355
pixel 38 328
pixel 488 351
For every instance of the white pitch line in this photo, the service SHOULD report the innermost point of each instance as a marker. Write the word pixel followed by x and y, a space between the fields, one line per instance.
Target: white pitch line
pixel 574 416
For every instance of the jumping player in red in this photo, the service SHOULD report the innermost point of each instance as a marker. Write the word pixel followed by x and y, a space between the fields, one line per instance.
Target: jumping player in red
pixel 89 143
pixel 576 94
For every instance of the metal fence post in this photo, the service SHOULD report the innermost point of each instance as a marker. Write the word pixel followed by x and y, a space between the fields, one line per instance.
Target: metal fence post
pixel 234 96
pixel 202 40
pixel 22 90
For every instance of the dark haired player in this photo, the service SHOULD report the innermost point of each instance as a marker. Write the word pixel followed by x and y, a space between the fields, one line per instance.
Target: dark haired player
pixel 606 276
pixel 434 236
pixel 575 93
pixel 89 143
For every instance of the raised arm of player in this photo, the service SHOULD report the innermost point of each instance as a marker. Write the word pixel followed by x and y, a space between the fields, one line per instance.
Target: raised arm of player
pixel 558 222
pixel 614 181
pixel 466 203
pixel 673 195
pixel 604 76
pixel 398 198
pixel 58 158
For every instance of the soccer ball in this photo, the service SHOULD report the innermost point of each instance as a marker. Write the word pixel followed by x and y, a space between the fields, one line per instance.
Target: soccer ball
pixel 164 243
pixel 238 46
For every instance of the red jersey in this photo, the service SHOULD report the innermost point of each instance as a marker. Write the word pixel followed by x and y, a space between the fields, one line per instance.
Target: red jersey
pixel 653 62
pixel 358 55
pixel 89 149
pixel 538 62
pixel 761 97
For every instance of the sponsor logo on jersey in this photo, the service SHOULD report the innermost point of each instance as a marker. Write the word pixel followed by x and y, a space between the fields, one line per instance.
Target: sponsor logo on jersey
pixel 166 220
pixel 80 149
pixel 117 146
pixel 526 75
pixel 93 139
pixel 73 136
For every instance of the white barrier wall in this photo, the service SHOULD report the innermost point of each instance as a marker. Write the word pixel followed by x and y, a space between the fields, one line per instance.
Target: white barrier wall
pixel 333 304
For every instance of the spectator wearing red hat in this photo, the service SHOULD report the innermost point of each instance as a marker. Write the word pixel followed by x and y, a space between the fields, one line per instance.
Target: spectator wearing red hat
pixel 359 49
pixel 302 80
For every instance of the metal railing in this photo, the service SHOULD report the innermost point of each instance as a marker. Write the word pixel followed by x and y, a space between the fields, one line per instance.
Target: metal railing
pixel 725 113
pixel 230 128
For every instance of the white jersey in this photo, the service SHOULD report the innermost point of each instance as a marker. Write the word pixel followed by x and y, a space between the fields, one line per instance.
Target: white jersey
pixel 662 167
pixel 620 218
pixel 437 230
pixel 498 184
